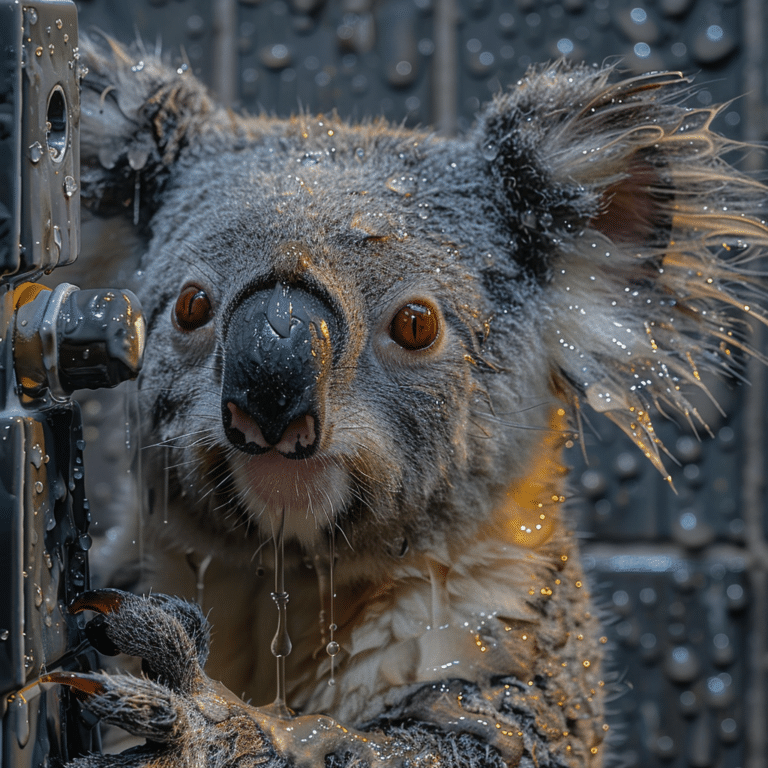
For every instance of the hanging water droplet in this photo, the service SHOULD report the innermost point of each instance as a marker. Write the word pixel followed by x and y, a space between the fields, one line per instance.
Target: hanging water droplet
pixel 137 157
pixel 490 151
pixel 31 14
pixel 18 706
pixel 200 570
pixel 70 186
pixel 57 240
pixel 332 648
pixel 281 643
pixel 38 595
pixel 36 152
pixel 59 23
pixel 38 487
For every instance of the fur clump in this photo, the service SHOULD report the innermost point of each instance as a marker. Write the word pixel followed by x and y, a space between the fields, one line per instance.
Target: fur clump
pixel 455 304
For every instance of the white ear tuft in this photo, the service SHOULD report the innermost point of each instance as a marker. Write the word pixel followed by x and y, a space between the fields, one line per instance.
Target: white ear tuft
pixel 652 235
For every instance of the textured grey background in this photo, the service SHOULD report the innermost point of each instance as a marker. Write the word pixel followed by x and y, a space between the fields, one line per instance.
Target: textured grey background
pixel 682 577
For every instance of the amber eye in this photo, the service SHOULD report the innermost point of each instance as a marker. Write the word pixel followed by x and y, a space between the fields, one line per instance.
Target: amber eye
pixel 193 309
pixel 414 326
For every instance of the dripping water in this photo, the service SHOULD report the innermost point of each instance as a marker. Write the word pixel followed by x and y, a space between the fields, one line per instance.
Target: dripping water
pixel 332 649
pixel 136 199
pixel 281 643
pixel 260 569
pixel 200 580
pixel 134 460
pixel 166 470
pixel 199 567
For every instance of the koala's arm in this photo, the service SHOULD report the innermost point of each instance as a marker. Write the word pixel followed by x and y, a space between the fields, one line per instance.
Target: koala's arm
pixel 190 720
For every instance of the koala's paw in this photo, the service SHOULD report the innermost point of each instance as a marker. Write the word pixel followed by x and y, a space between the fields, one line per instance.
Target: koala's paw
pixel 191 721
pixel 186 718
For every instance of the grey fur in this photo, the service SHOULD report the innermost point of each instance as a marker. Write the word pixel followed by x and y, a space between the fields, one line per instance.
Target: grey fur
pixel 568 246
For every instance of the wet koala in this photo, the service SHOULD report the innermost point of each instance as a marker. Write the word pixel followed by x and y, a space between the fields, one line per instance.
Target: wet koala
pixel 367 348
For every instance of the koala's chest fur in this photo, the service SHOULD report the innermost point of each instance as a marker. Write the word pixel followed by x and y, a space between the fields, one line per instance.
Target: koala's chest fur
pixel 509 597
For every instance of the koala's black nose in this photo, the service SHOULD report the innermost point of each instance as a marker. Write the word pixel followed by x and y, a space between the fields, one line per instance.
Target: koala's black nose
pixel 277 346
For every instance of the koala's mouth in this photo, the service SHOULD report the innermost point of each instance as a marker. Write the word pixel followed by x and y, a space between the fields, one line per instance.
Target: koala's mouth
pixel 309 494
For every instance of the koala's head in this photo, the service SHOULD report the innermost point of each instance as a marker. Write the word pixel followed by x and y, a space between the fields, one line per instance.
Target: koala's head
pixel 365 327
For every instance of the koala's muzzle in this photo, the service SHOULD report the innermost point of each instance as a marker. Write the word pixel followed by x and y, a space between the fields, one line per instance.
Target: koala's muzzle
pixel 278 344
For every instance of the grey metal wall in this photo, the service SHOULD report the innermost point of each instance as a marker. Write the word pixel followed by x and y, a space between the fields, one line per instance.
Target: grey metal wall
pixel 681 576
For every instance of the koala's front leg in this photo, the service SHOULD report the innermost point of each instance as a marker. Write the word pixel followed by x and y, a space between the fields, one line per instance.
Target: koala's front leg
pixel 187 719
pixel 191 721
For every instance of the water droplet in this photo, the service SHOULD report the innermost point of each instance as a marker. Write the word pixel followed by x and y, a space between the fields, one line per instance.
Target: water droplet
pixel 38 595
pixel 35 152
pixel 490 151
pixel 281 643
pixel 59 23
pixel 137 157
pixel 31 14
pixel 57 240
pixel 70 186
pixel 38 487
pixel 4 634
pixel 360 152
pixel 332 648
pixel 20 723
pixel 51 49
pixel 402 185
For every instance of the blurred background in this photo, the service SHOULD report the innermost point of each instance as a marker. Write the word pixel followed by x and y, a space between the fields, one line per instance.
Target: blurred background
pixel 679 575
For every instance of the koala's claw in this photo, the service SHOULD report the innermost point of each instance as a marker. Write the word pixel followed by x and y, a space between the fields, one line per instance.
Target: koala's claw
pixel 98 600
pixel 181 712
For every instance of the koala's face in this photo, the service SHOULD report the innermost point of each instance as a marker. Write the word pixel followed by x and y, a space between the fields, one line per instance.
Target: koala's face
pixel 317 340
pixel 363 328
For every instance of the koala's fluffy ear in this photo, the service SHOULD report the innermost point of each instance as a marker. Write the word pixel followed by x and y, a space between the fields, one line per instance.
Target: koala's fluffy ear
pixel 137 115
pixel 639 233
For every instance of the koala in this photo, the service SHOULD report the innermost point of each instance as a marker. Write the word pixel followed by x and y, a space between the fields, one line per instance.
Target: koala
pixel 367 347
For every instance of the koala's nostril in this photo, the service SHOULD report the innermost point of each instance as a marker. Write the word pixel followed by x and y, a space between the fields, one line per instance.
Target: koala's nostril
pixel 243 431
pixel 299 437
pixel 296 441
